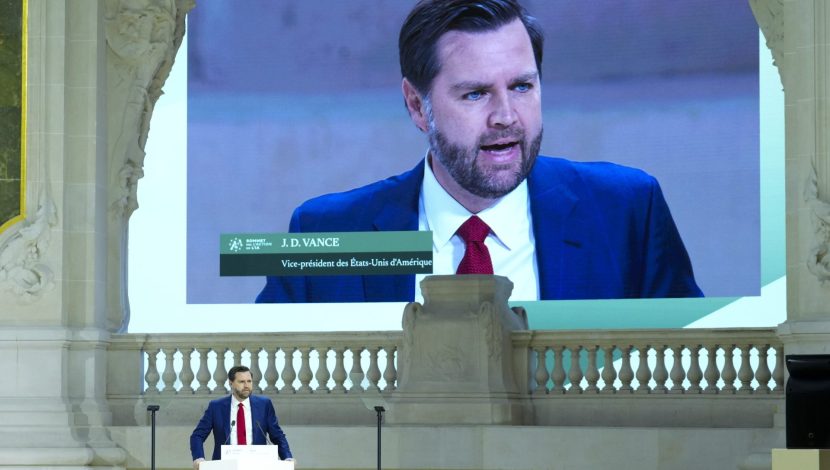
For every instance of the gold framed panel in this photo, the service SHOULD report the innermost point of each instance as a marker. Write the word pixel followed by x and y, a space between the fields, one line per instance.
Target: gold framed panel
pixel 13 75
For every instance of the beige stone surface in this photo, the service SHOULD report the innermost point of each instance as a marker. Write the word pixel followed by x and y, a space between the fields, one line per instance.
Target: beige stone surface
pixel 800 459
pixel 481 447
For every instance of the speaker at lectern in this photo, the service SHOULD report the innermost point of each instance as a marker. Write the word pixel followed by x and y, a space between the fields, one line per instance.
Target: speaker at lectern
pixel 808 401
pixel 248 458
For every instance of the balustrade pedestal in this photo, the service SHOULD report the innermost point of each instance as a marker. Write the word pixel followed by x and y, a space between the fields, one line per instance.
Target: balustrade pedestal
pixel 52 406
pixel 456 364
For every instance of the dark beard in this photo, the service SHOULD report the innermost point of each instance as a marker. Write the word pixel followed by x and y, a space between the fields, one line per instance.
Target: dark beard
pixel 460 162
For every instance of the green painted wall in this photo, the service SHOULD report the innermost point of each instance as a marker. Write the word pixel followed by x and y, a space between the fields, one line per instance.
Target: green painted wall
pixel 11 93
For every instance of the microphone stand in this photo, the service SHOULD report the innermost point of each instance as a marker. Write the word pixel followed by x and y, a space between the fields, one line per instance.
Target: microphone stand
pixel 379 410
pixel 152 409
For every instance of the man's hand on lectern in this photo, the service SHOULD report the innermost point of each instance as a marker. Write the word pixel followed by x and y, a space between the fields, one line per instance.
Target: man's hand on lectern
pixel 196 463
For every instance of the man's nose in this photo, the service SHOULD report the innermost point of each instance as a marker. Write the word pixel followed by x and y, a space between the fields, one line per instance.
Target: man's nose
pixel 502 114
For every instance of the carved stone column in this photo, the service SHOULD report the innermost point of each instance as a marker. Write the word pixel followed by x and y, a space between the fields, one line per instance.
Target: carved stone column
pixel 142 37
pixel 95 69
pixel 456 363
pixel 798 33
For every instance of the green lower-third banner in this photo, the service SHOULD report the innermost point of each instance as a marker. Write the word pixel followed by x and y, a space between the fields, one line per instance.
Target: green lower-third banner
pixel 323 254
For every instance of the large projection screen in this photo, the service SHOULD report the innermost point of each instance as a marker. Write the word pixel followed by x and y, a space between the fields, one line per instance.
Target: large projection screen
pixel 283 103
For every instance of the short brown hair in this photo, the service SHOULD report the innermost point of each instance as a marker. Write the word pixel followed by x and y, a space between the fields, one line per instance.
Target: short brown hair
pixel 236 369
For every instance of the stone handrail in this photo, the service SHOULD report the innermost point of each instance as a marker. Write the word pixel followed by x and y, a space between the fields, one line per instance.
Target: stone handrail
pixel 149 369
pixel 159 367
pixel 549 370
pixel 742 364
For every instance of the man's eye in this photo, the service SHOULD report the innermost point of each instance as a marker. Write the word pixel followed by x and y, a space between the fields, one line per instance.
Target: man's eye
pixel 474 95
pixel 522 87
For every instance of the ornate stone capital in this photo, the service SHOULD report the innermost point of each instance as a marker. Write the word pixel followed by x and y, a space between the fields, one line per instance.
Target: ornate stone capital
pixel 770 17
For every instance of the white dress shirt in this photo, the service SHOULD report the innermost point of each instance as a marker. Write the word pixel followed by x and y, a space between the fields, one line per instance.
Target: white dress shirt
pixel 249 437
pixel 511 243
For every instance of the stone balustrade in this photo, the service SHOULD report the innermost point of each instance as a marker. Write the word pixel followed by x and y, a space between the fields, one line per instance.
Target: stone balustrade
pixel 150 369
pixel 635 377
pixel 166 372
pixel 619 362
pixel 747 361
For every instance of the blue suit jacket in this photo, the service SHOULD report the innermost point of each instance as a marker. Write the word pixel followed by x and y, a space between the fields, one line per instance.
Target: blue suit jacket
pixel 603 231
pixel 217 419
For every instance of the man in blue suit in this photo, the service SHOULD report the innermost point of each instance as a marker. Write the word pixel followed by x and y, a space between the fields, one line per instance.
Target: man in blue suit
pixel 238 425
pixel 558 229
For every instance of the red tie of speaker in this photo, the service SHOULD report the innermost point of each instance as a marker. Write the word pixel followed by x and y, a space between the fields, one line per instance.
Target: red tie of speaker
pixel 241 438
pixel 476 258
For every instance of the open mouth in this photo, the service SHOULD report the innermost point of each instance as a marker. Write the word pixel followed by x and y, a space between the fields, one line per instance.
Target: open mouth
pixel 500 147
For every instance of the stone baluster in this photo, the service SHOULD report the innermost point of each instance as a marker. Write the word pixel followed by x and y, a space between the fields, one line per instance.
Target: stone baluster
pixel 695 375
pixel 305 374
pixel 322 374
pixel 677 374
pixel 152 374
pixel 575 371
pixel 626 373
pixel 389 373
pixel 339 373
pixel 592 373
pixel 288 373
pixel 541 375
pixel 271 375
pixel 729 374
pixel 643 370
pixel 374 371
pixel 762 374
pixel 203 374
pixel 661 374
pixel 256 372
pixel 711 374
pixel 745 372
pixel 558 375
pixel 186 375
pixel 778 371
pixel 168 377
pixel 220 375
pixel 609 374
pixel 236 358
pixel 356 374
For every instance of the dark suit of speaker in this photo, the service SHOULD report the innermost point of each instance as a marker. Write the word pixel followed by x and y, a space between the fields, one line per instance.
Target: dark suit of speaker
pixel 602 231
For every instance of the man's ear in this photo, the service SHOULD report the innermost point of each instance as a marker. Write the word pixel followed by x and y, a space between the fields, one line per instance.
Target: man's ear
pixel 415 105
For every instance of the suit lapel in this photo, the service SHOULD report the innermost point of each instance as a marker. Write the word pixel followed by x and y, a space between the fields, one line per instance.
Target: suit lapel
pixel 225 411
pixel 553 196
pixel 254 420
pixel 399 213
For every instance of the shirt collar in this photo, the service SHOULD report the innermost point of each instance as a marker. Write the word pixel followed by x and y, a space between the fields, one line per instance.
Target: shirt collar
pixel 235 402
pixel 444 214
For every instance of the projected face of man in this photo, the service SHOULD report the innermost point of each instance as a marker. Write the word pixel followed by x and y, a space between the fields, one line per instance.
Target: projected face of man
pixel 483 113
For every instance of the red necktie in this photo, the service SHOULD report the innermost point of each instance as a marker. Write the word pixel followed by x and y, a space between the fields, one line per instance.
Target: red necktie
pixel 240 425
pixel 476 258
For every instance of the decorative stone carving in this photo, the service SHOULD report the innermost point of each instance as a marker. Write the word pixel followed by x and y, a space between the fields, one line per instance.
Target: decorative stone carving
pixel 770 17
pixel 818 259
pixel 143 37
pixel 22 270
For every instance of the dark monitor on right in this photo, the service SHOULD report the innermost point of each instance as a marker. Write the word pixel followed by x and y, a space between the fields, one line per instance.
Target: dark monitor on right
pixel 808 401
